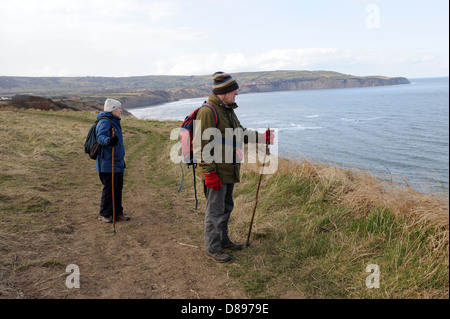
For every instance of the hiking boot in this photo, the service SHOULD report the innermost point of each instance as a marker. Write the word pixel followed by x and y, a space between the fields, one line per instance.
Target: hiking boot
pixel 219 256
pixel 123 217
pixel 105 219
pixel 232 246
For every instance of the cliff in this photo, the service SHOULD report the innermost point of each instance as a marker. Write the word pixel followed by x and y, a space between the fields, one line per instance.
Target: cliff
pixel 320 83
pixel 153 97
pixel 151 90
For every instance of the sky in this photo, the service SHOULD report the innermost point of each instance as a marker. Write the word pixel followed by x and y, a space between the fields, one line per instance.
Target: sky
pixel 196 37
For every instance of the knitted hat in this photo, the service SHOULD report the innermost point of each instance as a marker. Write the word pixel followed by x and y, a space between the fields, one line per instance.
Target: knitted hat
pixel 223 83
pixel 111 105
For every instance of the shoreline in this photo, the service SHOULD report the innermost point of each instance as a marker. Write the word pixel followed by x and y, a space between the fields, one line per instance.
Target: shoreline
pixel 424 187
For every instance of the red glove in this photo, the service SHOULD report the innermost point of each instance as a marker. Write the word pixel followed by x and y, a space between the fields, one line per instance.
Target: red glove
pixel 268 137
pixel 212 180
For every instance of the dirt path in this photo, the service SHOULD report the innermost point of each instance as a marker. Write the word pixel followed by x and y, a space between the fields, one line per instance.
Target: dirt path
pixel 150 256
pixel 158 254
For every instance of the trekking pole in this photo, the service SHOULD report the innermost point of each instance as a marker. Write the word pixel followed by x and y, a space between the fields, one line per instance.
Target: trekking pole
pixel 256 196
pixel 113 188
pixel 195 191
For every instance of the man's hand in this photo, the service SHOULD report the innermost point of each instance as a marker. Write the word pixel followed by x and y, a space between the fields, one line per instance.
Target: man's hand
pixel 212 180
pixel 268 137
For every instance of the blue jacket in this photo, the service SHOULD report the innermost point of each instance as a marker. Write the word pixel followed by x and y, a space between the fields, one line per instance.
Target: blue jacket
pixel 103 133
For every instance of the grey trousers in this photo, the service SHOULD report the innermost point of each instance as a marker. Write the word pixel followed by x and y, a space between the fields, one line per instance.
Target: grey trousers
pixel 219 205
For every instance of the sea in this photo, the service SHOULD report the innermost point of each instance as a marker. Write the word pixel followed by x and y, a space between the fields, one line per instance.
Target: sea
pixel 398 132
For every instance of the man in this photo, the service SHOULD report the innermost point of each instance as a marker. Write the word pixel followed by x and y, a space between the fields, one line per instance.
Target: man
pixel 109 136
pixel 220 175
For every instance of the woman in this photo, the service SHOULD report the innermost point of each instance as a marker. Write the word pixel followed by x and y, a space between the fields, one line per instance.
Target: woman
pixel 109 136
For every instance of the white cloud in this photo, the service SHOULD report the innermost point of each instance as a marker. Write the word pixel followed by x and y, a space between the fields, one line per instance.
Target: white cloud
pixel 162 9
pixel 189 64
pixel 427 58
pixel 235 61
pixel 203 63
pixel 294 58
pixel 141 37
pixel 368 62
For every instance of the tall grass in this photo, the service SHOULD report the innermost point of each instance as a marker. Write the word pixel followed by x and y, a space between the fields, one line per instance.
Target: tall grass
pixel 318 227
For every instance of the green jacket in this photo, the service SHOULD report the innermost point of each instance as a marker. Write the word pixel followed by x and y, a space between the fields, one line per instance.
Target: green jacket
pixel 228 168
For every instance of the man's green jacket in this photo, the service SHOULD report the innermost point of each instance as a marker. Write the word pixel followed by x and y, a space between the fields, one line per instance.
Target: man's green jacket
pixel 228 165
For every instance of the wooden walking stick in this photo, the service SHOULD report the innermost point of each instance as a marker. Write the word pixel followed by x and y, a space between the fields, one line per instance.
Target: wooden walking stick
pixel 113 188
pixel 256 196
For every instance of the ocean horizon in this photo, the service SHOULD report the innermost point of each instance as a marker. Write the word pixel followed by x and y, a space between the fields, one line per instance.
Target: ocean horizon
pixel 398 132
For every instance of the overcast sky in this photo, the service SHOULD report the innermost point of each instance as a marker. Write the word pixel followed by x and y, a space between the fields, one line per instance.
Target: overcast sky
pixel 195 37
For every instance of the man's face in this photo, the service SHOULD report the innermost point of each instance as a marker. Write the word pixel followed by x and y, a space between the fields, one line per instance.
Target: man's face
pixel 230 97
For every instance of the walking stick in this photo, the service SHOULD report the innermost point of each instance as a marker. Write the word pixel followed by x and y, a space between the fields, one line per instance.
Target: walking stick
pixel 256 197
pixel 113 188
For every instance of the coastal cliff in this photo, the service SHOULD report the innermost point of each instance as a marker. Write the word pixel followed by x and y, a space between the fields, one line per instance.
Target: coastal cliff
pixel 320 83
pixel 153 97
pixel 151 90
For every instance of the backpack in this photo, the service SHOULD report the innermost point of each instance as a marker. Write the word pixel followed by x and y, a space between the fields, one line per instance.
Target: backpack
pixel 186 136
pixel 91 145
pixel 187 133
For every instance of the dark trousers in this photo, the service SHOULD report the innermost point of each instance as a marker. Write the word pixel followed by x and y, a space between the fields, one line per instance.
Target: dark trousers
pixel 106 207
pixel 219 205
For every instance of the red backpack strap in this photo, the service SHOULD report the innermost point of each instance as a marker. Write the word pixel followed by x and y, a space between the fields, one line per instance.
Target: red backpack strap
pixel 213 109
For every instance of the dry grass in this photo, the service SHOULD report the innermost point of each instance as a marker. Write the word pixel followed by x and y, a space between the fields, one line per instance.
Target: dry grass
pixel 362 191
pixel 316 226
pixel 331 222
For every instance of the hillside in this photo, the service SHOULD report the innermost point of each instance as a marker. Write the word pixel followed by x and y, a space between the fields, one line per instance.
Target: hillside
pixel 150 90
pixel 316 228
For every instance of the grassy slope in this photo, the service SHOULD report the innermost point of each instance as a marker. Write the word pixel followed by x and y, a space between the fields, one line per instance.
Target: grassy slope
pixel 316 228
pixel 319 227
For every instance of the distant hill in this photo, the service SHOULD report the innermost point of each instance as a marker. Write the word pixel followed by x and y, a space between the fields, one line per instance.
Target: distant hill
pixel 154 89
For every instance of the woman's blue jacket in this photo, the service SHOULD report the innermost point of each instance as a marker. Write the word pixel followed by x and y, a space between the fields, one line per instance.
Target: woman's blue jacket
pixel 103 133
